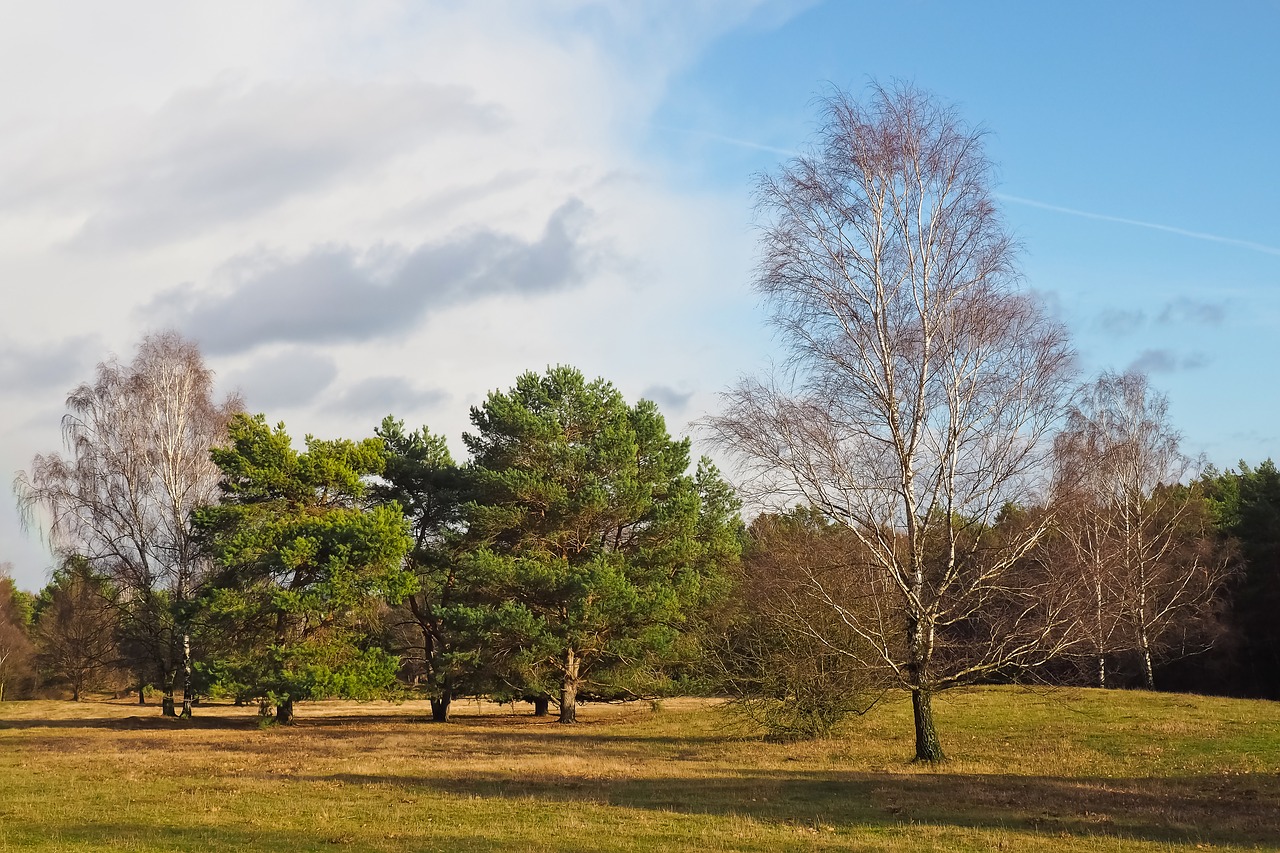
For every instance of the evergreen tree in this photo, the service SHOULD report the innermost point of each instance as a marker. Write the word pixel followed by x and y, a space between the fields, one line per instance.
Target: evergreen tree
pixel 304 561
pixel 1246 506
pixel 591 546
pixel 430 631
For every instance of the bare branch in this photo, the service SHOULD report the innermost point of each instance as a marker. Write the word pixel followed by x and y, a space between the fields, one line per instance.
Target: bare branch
pixel 922 386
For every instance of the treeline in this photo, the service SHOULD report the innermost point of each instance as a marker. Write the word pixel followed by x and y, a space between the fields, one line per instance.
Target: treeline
pixel 1244 508
pixel 1174 590
pixel 574 555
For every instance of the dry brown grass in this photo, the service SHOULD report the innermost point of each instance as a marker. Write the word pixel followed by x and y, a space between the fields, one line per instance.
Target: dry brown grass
pixel 1074 770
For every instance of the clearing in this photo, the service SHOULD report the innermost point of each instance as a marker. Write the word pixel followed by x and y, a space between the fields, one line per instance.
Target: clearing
pixel 1064 769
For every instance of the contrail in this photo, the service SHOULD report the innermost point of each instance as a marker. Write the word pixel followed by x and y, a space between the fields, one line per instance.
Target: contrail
pixel 1155 226
pixel 1029 202
pixel 728 140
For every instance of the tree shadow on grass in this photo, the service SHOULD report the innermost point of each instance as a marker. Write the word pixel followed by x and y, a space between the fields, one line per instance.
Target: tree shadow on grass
pixel 248 716
pixel 528 734
pixel 1238 809
pixel 112 835
pixel 137 722
pixel 1208 809
pixel 245 717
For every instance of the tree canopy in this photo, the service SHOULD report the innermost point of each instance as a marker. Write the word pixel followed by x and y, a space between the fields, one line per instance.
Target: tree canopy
pixel 303 560
pixel 434 631
pixel 590 542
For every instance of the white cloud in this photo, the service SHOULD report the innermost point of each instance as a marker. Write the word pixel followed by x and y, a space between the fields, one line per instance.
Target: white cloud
pixel 408 202
pixel 221 153
pixel 337 293
pixel 372 398
pixel 52 365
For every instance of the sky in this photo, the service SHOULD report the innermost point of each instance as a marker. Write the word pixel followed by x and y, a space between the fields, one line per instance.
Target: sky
pixel 367 208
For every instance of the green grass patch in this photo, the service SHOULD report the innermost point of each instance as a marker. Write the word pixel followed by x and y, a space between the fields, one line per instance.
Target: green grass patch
pixel 1064 769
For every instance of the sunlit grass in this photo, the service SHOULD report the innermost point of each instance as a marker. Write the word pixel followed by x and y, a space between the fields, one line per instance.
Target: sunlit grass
pixel 1066 769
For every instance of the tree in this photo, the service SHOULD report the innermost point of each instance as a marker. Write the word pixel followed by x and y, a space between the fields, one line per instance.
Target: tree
pixel 787 660
pixel 138 440
pixel 1246 509
pixel 1084 547
pixel 1145 543
pixel 303 562
pixel 16 651
pixel 430 630
pixel 921 384
pixel 76 623
pixel 590 544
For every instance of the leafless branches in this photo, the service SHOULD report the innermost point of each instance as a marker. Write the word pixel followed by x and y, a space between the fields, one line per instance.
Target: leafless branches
pixel 921 386
pixel 76 629
pixel 137 463
pixel 1141 543
pixel 787 658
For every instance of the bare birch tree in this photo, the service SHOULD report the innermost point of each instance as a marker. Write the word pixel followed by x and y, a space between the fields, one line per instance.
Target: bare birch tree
pixel 138 440
pixel 1142 542
pixel 921 388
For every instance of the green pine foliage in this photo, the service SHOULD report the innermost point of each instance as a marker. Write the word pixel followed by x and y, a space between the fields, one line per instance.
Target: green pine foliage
pixel 1246 508
pixel 435 632
pixel 305 558
pixel 590 546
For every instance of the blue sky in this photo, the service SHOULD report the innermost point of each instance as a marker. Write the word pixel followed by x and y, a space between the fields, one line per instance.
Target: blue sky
pixel 398 206
pixel 1136 151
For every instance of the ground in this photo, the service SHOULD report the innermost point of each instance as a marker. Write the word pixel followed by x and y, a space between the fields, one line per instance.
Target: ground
pixel 1030 769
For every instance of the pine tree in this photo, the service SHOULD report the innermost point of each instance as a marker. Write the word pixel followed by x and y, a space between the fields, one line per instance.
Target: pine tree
pixel 589 544
pixel 304 562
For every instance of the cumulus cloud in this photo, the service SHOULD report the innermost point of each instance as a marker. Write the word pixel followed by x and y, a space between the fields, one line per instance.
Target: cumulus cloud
pixel 669 399
pixel 51 368
pixel 223 152
pixel 452 199
pixel 1185 310
pixel 338 294
pixel 1167 361
pixel 382 395
pixel 393 159
pixel 283 380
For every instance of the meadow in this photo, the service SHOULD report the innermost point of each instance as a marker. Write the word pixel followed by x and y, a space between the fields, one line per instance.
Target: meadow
pixel 1062 769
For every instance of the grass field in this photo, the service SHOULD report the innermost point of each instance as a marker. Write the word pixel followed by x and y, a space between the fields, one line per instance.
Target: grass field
pixel 1064 770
